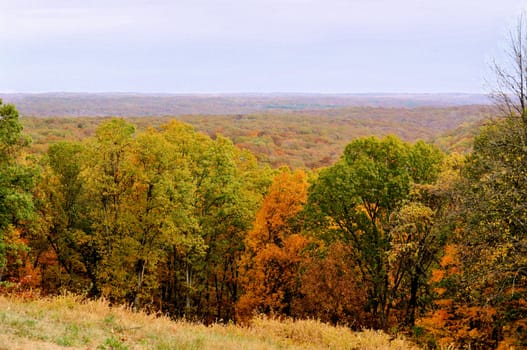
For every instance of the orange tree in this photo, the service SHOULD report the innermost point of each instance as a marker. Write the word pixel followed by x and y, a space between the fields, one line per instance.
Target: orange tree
pixel 273 250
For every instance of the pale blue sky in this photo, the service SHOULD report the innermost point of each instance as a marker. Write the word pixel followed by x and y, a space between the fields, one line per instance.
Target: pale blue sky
pixel 187 46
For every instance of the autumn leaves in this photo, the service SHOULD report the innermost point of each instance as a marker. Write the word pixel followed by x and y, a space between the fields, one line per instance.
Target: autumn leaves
pixel 171 220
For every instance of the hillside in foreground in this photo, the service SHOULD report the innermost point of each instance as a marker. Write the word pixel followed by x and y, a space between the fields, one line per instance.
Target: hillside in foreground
pixel 67 322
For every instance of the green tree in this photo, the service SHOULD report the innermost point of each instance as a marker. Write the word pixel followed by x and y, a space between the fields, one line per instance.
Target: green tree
pixel 353 200
pixel 422 229
pixel 154 208
pixel 16 181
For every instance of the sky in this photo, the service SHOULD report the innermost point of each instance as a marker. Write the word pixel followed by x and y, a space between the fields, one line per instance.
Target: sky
pixel 253 46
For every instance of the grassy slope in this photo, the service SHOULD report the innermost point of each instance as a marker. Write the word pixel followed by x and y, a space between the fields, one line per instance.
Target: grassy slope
pixel 66 322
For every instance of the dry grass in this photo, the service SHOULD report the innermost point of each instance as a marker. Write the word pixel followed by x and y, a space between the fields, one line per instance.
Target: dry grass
pixel 67 322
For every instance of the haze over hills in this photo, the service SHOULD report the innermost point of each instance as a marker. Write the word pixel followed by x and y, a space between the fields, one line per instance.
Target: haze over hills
pixel 140 104
pixel 308 138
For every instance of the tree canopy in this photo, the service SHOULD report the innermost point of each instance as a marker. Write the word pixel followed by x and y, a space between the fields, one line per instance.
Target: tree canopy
pixel 16 182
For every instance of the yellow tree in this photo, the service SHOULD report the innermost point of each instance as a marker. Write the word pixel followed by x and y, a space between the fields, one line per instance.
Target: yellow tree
pixel 223 187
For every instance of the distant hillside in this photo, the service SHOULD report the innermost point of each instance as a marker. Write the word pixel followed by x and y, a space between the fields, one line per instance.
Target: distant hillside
pixel 127 104
pixel 300 139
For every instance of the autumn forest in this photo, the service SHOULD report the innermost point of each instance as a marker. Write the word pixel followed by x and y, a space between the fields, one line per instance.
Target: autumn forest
pixel 404 236
pixel 404 213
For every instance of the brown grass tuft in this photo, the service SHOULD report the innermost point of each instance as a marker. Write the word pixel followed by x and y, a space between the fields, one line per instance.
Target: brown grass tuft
pixel 69 322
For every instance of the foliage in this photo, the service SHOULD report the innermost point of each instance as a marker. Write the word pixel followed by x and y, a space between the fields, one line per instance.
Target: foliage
pixel 153 219
pixel 483 276
pixel 164 218
pixel 330 287
pixel 299 139
pixel 273 254
pixel 16 183
pixel 484 299
pixel 353 202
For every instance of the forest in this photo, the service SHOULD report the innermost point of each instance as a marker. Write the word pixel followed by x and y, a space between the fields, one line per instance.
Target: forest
pixel 393 235
pixel 409 220
pixel 306 139
pixel 150 104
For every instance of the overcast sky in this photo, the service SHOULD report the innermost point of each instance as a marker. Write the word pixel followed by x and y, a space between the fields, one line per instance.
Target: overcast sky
pixel 327 46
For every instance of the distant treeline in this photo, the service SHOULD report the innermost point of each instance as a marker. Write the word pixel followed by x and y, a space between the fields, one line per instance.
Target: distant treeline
pixel 129 104
pixel 300 139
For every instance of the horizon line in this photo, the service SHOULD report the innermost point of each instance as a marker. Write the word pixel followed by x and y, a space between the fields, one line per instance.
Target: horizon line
pixel 242 93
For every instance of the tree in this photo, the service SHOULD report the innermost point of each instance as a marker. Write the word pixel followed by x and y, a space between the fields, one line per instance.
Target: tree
pixel 510 94
pixel 331 289
pixel 16 183
pixel 273 250
pixel 154 208
pixel 153 219
pixel 412 252
pixel 353 200
pixel 419 231
pixel 59 233
pixel 492 241
pixel 223 186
